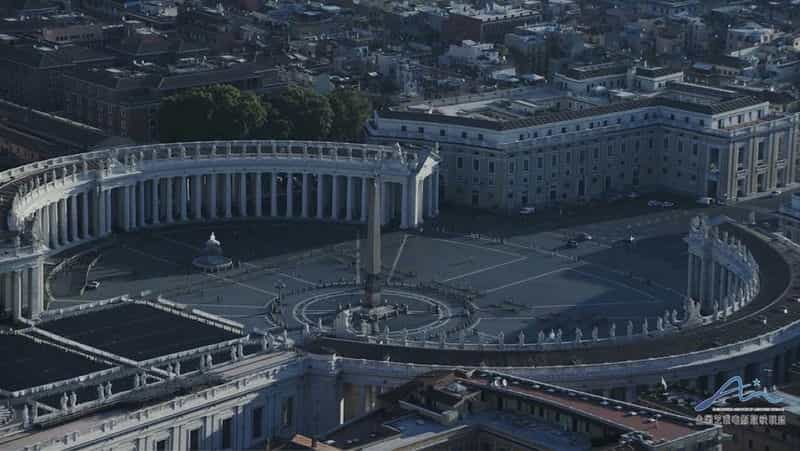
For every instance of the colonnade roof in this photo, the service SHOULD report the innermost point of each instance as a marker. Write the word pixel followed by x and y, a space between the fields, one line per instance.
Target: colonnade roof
pixel 67 347
pixel 138 331
pixel 29 363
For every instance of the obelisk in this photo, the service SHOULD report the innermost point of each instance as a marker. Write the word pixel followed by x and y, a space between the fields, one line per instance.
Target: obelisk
pixel 372 251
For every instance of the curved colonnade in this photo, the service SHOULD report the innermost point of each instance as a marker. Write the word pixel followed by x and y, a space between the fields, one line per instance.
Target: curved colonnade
pixel 722 276
pixel 58 203
pixel 759 336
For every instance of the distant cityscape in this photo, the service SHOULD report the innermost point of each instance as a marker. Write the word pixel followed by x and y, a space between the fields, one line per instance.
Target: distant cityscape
pixel 400 225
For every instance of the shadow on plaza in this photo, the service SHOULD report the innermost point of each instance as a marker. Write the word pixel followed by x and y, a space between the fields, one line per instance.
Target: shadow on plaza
pixel 649 265
pixel 137 258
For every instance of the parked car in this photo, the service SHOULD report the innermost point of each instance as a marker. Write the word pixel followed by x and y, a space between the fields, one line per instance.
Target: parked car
pixel 527 210
pixel 775 193
pixel 572 244
pixel 583 236
pixel 654 203
pixel 667 204
pixel 705 201
pixel 93 284
pixel 633 195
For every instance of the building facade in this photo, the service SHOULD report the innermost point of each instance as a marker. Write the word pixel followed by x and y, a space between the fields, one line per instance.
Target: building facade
pixel 507 149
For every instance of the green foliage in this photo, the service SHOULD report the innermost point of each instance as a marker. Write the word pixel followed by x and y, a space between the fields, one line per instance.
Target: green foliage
pixel 224 112
pixel 351 109
pixel 298 114
pixel 215 112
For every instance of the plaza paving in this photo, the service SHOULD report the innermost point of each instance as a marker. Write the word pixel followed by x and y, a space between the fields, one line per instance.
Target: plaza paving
pixel 530 281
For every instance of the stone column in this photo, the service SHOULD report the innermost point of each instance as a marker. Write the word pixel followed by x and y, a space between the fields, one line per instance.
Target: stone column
pixel 169 211
pixel 100 213
pixel 436 192
pixel 320 199
pixel 228 195
pixel 44 219
pixel 132 203
pixel 349 200
pixel 140 195
pixel 404 210
pixel 62 221
pixel 197 197
pixel 73 218
pixel 36 301
pixel 304 197
pixel 53 225
pixel 125 193
pixel 701 281
pixel 109 219
pixel 182 199
pixel 154 210
pixel 212 196
pixel 259 211
pixel 690 276
pixel 429 195
pixel 16 299
pixel 712 287
pixel 289 195
pixel 721 289
pixel 273 194
pixel 243 194
pixel 363 199
pixel 335 197
pixel 85 215
pixel 8 291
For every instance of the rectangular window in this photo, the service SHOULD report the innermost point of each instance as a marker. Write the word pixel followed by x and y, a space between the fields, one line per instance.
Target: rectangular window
pixel 491 167
pixel 421 129
pixel 476 165
pixel 161 445
pixel 539 162
pixel 480 136
pixel 226 431
pixel 464 135
pixel 257 421
pixel 525 165
pixel 442 132
pixel 287 412
pixel 403 128
pixel 761 150
pixel 459 163
pixel 511 167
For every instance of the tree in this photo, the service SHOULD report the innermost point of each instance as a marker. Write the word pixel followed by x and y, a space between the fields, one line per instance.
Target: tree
pixel 298 113
pixel 350 109
pixel 215 112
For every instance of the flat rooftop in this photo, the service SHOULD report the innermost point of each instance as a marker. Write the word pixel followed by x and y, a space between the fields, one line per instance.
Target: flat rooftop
pixel 405 419
pixel 503 110
pixel 27 363
pixel 628 417
pixel 138 331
